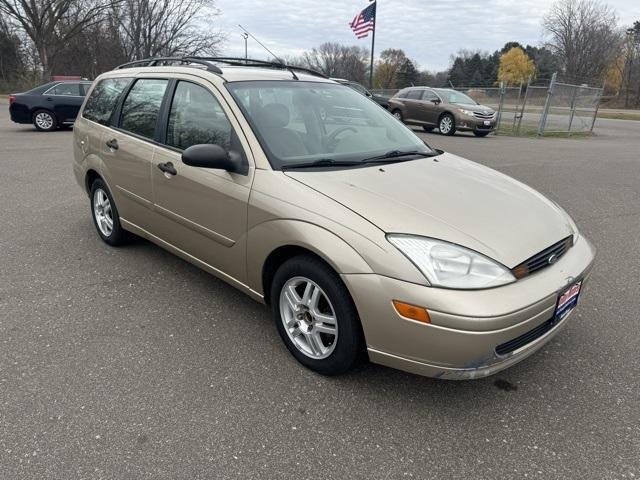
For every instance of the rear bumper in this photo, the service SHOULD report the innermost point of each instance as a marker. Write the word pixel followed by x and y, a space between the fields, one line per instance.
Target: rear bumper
pixel 19 113
pixel 466 326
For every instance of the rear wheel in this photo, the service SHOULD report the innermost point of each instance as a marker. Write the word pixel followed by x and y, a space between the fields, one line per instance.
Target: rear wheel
pixel 105 215
pixel 315 316
pixel 398 115
pixel 447 124
pixel 44 120
pixel 480 134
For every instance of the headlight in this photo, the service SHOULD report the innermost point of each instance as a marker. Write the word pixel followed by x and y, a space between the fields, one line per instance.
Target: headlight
pixel 466 112
pixel 451 266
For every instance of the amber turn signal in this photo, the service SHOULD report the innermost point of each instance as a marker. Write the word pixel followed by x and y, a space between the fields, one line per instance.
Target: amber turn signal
pixel 412 312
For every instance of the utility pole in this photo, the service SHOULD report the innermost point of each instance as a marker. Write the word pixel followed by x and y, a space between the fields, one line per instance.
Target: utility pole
pixel 245 35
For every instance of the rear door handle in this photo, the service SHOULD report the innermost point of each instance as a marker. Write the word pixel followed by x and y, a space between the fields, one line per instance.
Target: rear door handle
pixel 168 168
pixel 112 144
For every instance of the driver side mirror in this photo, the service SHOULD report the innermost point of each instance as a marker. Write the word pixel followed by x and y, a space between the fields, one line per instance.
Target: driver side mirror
pixel 208 155
pixel 436 101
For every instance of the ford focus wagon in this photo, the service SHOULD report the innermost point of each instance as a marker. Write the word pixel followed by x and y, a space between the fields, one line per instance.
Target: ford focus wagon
pixel 364 241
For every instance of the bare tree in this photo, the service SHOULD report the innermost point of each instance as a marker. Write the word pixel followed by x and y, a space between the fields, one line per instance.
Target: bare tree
pixel 335 60
pixel 584 36
pixel 151 28
pixel 43 21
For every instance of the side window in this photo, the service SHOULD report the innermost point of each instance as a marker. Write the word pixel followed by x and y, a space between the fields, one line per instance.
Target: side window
pixel 84 88
pixel 141 107
pixel 67 89
pixel 402 94
pixel 103 99
pixel 429 95
pixel 196 117
pixel 414 94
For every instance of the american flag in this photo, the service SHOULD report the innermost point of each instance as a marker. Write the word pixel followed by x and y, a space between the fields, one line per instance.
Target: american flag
pixel 364 21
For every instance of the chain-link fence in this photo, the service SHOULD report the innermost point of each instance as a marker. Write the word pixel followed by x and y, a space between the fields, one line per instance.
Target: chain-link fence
pixel 530 109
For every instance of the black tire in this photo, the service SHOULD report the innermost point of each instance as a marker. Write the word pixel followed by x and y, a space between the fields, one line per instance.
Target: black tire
pixel 427 129
pixel 480 134
pixel 442 124
pixel 44 120
pixel 398 115
pixel 349 347
pixel 118 236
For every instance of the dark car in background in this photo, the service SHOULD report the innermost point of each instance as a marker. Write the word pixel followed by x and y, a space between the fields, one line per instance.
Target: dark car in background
pixel 379 99
pixel 49 106
pixel 443 108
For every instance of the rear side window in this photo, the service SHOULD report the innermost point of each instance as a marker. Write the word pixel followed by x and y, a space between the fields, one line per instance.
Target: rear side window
pixel 103 99
pixel 414 94
pixel 196 117
pixel 141 107
pixel 66 89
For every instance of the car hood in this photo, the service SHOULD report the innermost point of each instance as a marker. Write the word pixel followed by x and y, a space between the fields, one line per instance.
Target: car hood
pixel 475 107
pixel 448 198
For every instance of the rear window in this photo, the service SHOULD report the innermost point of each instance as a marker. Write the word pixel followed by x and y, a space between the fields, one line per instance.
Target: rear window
pixel 103 99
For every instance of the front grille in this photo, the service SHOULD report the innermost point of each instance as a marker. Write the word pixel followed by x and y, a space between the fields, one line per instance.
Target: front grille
pixel 546 257
pixel 483 115
pixel 524 339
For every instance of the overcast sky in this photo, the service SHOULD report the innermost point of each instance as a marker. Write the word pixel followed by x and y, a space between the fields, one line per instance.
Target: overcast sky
pixel 429 31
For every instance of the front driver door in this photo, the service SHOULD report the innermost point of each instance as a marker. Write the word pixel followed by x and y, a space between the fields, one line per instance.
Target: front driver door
pixel 201 211
pixel 430 107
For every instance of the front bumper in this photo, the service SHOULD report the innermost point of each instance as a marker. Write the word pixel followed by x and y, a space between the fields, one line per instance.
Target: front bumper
pixel 466 326
pixel 467 123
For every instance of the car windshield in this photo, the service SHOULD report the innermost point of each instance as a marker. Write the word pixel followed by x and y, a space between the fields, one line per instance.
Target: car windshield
pixel 303 122
pixel 451 96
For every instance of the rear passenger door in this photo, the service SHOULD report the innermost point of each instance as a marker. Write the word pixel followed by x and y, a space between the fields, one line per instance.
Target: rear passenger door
pixel 202 211
pixel 128 147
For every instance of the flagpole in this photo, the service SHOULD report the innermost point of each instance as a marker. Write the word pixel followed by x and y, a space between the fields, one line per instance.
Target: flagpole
pixel 373 43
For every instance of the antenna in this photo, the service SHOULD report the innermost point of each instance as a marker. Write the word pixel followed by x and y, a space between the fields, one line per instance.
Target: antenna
pixel 247 32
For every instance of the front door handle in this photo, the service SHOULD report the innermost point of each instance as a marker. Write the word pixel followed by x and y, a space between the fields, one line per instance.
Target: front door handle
pixel 112 144
pixel 168 168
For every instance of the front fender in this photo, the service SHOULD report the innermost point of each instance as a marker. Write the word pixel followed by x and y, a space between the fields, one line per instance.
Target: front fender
pixel 268 236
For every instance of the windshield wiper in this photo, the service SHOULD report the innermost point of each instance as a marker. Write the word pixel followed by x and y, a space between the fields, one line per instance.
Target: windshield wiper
pixel 397 154
pixel 323 162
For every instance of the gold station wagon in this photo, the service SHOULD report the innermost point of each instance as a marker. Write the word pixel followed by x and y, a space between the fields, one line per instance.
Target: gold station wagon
pixel 309 197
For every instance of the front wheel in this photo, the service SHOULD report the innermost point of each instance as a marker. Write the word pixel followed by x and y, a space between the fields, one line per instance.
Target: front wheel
pixel 45 121
pixel 447 124
pixel 315 316
pixel 480 134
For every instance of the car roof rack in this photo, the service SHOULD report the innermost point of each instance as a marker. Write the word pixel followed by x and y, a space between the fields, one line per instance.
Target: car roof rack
pixel 159 61
pixel 208 62
pixel 252 62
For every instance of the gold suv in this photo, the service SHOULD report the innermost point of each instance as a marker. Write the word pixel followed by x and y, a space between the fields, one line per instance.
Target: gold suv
pixel 309 197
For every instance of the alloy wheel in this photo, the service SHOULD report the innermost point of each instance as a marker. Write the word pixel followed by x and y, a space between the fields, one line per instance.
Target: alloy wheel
pixel 445 125
pixel 308 317
pixel 44 120
pixel 102 212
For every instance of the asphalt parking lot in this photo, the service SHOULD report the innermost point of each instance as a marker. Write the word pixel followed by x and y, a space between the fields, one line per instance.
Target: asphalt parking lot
pixel 130 363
